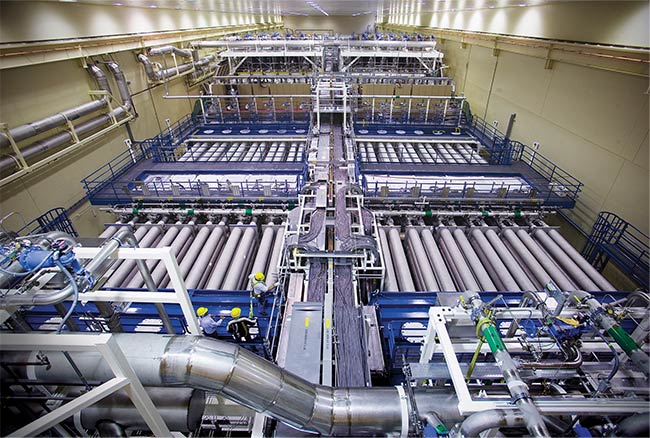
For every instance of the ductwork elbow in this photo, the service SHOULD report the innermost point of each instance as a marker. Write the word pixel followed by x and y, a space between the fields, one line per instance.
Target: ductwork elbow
pixel 148 68
pixel 122 85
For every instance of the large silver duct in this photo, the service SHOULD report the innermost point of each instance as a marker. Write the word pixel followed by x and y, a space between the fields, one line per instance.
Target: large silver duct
pixel 181 408
pixel 243 377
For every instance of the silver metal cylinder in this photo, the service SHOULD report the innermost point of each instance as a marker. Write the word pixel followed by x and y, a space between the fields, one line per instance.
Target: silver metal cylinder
pixel 428 277
pixel 435 257
pixel 241 260
pixel 221 266
pixel 404 279
pixel 390 282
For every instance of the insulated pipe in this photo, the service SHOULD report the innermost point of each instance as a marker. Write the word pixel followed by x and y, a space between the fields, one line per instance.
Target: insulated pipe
pixel 192 252
pixel 482 421
pixel 110 230
pixel 399 261
pixel 137 280
pixel 50 298
pixel 463 269
pixel 246 378
pixel 222 264
pixel 241 259
pixel 166 50
pixel 263 252
pixel 517 387
pixel 162 74
pixel 477 267
pixel 595 276
pixel 442 274
pixel 109 429
pixel 198 270
pixel 390 282
pixel 486 264
pixel 549 266
pixel 36 127
pixel 122 84
pixel 508 260
pixel 146 236
pixel 565 261
pixel 509 283
pixel 428 277
pixel 612 327
pixel 634 425
pixel 272 273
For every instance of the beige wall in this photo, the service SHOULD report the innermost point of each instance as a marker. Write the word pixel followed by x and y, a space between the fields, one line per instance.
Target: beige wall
pixel 35 91
pixel 338 24
pixel 609 22
pixel 35 20
pixel 591 122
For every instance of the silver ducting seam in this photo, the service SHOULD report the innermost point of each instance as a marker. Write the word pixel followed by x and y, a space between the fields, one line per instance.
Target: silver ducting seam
pixel 243 377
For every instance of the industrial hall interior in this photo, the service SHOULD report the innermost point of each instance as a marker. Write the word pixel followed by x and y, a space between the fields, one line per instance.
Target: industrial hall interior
pixel 345 218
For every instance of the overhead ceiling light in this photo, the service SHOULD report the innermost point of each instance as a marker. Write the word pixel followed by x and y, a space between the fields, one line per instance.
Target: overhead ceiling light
pixel 153 6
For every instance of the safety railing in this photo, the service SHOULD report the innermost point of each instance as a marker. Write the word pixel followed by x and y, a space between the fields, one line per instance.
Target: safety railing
pixel 533 191
pixel 614 239
pixel 55 219
pixel 105 175
pixel 213 187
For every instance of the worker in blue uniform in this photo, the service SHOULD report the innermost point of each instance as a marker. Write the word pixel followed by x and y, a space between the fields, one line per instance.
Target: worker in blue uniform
pixel 260 291
pixel 239 326
pixel 207 322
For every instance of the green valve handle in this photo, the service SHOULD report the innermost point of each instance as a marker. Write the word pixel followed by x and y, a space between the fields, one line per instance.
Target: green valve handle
pixel 485 213
pixel 517 213
pixel 249 212
pixel 441 429
pixel 135 211
pixel 190 211
pixel 428 213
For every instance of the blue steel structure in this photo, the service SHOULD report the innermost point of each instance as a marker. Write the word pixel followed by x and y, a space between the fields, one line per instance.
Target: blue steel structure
pixel 546 184
pixel 55 219
pixel 121 179
pixel 614 239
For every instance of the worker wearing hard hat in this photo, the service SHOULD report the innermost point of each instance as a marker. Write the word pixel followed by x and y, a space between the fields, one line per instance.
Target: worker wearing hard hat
pixel 261 291
pixel 239 326
pixel 207 322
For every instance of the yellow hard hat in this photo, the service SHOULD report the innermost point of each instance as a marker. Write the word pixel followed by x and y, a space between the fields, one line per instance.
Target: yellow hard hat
pixel 201 311
pixel 259 276
pixel 235 312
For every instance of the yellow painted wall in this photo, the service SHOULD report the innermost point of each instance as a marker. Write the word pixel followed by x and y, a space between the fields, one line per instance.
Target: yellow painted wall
pixel 591 122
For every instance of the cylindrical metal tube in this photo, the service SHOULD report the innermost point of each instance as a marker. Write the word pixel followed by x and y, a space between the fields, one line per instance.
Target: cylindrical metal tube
pixel 477 267
pixel 208 252
pixel 399 260
pixel 428 277
pixel 509 283
pixel 192 252
pixel 240 260
pixel 146 237
pixel 596 276
pixel 181 408
pixel 137 280
pixel 531 263
pixel 221 266
pixel 181 241
pixel 549 266
pixel 272 273
pixel 442 273
pixel 469 282
pixel 565 261
pixel 263 252
pixel 508 260
pixel 390 282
